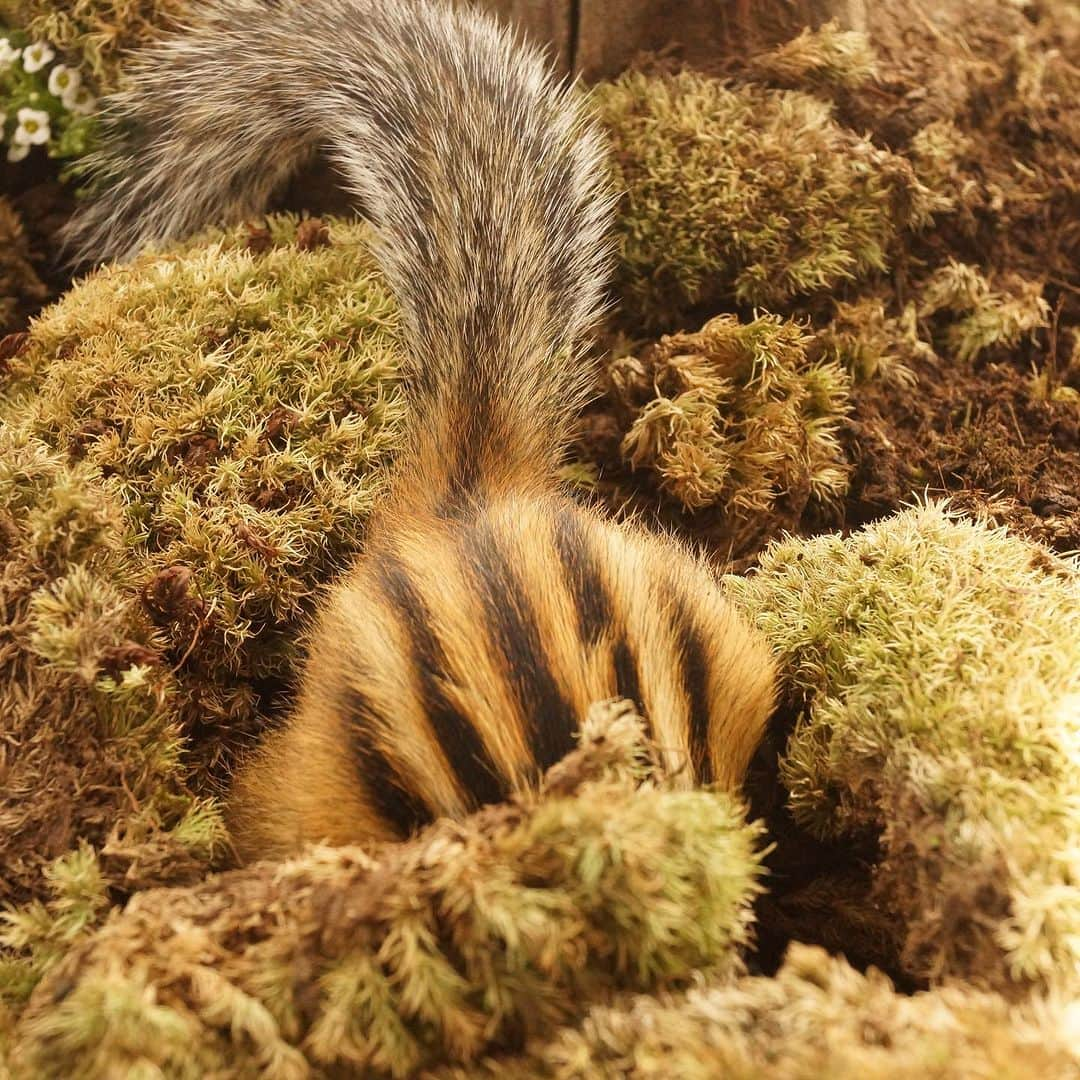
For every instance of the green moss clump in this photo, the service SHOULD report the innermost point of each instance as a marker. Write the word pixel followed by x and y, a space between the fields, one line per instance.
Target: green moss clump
pixel 872 344
pixel 472 936
pixel 816 1017
pixel 826 58
pixel 240 394
pixel 96 32
pixel 745 195
pixel 20 287
pixel 941 659
pixel 93 798
pixel 737 416
pixel 983 317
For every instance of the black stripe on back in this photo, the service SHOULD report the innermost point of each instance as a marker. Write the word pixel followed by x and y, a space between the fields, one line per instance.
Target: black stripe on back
pixel 626 674
pixel 515 635
pixel 390 793
pixel 468 757
pixel 695 675
pixel 587 587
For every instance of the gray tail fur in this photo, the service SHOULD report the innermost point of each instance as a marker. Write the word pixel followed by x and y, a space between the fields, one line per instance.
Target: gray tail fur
pixel 482 175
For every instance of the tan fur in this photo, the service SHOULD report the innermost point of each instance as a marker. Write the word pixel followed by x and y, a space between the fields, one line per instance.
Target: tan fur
pixel 459 656
pixel 302 786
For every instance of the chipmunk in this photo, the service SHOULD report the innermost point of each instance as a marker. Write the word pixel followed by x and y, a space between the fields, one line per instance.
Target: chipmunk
pixel 457 658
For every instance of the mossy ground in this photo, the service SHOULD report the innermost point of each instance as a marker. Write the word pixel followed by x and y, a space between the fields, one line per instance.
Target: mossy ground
pixel 865 250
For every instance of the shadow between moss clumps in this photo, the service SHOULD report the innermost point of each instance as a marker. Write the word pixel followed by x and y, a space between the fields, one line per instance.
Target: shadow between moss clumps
pixel 817 1017
pixel 21 290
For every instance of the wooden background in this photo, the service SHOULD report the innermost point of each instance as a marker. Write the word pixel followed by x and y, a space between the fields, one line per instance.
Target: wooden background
pixel 598 38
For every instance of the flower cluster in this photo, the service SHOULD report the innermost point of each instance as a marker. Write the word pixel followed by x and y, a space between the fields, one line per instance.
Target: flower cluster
pixel 42 103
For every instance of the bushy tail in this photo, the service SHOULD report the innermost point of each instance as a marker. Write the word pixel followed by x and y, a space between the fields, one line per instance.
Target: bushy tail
pixel 483 177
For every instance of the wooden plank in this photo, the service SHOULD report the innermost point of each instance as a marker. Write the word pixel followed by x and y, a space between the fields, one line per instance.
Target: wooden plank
pixel 612 33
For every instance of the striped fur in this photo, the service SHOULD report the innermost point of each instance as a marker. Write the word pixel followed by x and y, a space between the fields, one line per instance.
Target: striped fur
pixel 458 657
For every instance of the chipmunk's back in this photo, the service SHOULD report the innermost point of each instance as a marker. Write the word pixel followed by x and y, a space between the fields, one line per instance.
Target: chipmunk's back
pixel 459 658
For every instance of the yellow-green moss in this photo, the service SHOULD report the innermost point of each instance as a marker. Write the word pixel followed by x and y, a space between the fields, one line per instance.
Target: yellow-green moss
pixel 941 659
pixel 736 416
pixel 240 395
pixel 95 33
pixel 745 195
pixel 817 1017
pixel 473 935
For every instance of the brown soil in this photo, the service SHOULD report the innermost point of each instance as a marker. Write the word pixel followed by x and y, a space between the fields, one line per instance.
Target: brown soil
pixel 980 436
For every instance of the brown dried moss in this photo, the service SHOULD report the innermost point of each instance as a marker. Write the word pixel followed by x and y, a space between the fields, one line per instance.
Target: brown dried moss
pixel 991 438
pixel 21 290
pixel 93 796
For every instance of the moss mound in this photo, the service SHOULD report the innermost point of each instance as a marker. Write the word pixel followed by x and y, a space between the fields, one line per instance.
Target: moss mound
pixel 745 195
pixel 239 394
pixel 939 658
pixel 471 937
pixel 93 799
pixel 817 1017
pixel 737 417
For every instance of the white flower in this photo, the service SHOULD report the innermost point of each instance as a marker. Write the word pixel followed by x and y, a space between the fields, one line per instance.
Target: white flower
pixel 64 80
pixel 79 100
pixel 8 54
pixel 17 151
pixel 33 129
pixel 36 56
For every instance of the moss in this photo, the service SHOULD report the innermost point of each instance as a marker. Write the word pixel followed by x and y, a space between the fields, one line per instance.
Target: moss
pixel 872 344
pixel 746 195
pixel 940 659
pixel 240 395
pixel 824 57
pixel 20 287
pixel 988 317
pixel 737 416
pixel 94 800
pixel 817 1017
pixel 472 936
pixel 96 33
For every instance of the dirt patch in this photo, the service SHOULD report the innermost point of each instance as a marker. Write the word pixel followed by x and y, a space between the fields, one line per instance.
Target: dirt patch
pixel 983 436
